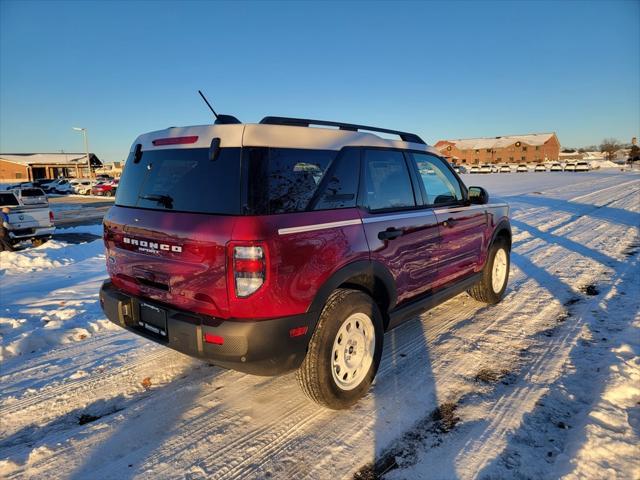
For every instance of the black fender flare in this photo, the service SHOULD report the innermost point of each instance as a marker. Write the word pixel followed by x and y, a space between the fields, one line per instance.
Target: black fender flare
pixel 503 224
pixel 361 272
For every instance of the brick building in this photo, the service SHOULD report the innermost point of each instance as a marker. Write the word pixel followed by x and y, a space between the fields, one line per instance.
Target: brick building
pixel 24 167
pixel 529 148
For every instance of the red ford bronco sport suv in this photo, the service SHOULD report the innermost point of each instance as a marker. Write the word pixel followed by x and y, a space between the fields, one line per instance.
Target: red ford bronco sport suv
pixel 274 247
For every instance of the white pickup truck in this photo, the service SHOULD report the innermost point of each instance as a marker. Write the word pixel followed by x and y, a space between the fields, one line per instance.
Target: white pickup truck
pixel 22 222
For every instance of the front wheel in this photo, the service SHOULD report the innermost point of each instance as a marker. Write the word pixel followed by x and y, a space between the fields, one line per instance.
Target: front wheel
pixel 495 274
pixel 344 352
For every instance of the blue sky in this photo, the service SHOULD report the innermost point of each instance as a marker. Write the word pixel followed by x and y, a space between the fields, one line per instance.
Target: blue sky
pixel 443 70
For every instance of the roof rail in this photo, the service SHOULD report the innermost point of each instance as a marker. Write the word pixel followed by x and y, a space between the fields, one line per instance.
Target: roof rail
pixel 305 122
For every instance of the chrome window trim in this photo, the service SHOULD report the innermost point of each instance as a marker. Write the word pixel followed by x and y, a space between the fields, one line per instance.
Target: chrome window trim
pixel 318 226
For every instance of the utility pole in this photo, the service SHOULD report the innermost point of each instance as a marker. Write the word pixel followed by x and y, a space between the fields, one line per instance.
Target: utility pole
pixel 86 147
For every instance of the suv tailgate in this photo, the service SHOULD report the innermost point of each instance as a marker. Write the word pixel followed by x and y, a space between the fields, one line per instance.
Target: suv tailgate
pixel 28 217
pixel 175 258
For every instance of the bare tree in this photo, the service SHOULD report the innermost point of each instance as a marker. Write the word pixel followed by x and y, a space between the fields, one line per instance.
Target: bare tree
pixel 609 147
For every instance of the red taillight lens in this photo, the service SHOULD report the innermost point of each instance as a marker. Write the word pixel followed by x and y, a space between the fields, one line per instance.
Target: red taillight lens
pixel 175 140
pixel 244 265
pixel 249 269
pixel 50 216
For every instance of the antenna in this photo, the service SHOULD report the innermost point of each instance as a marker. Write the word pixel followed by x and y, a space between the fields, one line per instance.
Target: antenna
pixel 220 119
pixel 208 104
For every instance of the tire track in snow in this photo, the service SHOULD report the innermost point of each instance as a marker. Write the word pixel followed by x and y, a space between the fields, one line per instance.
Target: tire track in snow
pixel 279 430
pixel 539 320
pixel 269 444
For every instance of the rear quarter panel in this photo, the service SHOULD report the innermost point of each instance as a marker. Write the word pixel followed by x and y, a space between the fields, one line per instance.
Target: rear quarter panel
pixel 300 262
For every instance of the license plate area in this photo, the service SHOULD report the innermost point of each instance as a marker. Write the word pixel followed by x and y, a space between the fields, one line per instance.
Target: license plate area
pixel 153 319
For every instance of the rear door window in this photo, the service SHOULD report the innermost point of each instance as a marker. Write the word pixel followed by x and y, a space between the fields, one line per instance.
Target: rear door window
pixel 182 180
pixel 283 180
pixel 340 187
pixel 387 181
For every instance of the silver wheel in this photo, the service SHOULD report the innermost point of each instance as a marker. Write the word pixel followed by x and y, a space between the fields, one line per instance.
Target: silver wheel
pixel 353 350
pixel 499 272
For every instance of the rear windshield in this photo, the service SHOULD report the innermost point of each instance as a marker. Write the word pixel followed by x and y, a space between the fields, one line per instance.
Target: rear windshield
pixel 8 199
pixel 32 192
pixel 182 180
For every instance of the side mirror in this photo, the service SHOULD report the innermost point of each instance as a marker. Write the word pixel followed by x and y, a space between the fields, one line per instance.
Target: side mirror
pixel 478 196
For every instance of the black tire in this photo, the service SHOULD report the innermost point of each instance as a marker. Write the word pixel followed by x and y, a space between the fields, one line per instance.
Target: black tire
pixel 483 290
pixel 108 193
pixel 315 374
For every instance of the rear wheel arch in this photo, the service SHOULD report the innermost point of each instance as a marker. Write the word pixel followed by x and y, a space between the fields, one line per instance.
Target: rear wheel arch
pixel 372 278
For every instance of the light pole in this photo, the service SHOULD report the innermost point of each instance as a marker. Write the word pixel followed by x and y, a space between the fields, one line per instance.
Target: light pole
pixel 86 147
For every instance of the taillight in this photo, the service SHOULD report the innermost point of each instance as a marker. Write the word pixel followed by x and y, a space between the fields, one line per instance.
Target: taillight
pixel 50 216
pixel 249 269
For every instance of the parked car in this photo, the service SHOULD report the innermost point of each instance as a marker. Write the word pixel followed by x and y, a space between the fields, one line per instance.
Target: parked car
pixel 256 248
pixel 486 168
pixel 582 167
pixel 460 169
pixel 19 185
pixel 570 167
pixel 495 168
pixel 22 223
pixel 31 196
pixel 474 169
pixel 105 189
pixel 82 186
pixel 59 185
pixel 505 169
pixel 522 168
pixel 556 167
pixel 540 168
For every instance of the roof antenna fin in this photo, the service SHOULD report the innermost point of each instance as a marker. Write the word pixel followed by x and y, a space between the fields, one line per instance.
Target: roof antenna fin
pixel 220 119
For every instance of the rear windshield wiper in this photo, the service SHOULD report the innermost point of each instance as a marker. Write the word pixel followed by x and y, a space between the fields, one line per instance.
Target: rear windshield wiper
pixel 165 200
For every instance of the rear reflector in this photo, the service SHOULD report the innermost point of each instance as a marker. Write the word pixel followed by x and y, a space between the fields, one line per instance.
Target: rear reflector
pixel 50 216
pixel 215 339
pixel 175 140
pixel 298 331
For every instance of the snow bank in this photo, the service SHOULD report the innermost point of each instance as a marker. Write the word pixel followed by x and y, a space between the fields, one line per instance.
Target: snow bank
pixel 42 310
pixel 52 254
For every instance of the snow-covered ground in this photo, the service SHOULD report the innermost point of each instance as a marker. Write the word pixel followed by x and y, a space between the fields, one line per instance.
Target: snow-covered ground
pixel 543 385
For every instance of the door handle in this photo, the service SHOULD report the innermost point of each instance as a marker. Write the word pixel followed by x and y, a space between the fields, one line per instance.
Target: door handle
pixel 449 222
pixel 390 234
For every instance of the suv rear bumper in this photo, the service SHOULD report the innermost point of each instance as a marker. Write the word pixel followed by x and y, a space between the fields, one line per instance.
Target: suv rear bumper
pixel 259 347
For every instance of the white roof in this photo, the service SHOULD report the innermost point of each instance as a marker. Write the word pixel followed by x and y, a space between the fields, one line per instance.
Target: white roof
pixel 533 139
pixel 266 135
pixel 43 158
